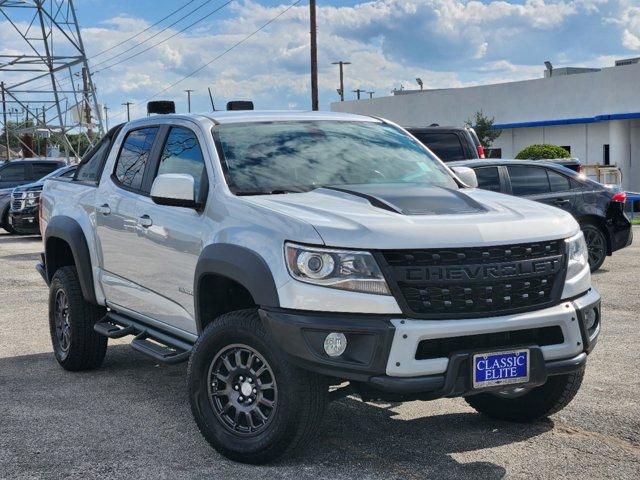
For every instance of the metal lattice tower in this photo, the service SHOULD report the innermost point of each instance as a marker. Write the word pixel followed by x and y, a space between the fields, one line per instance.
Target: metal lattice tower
pixel 48 84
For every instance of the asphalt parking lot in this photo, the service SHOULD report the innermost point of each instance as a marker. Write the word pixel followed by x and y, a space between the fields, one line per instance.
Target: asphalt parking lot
pixel 131 418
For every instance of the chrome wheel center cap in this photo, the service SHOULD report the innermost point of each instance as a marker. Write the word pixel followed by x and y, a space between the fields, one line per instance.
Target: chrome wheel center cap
pixel 246 389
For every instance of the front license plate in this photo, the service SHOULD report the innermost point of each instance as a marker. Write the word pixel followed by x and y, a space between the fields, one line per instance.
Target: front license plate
pixel 500 368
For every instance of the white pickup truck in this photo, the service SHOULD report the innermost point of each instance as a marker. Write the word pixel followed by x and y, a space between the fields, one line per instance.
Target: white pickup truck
pixel 283 254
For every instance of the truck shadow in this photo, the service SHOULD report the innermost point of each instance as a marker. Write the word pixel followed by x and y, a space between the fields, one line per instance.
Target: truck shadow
pixel 133 408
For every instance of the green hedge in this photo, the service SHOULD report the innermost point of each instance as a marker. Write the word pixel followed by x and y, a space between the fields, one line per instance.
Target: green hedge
pixel 538 152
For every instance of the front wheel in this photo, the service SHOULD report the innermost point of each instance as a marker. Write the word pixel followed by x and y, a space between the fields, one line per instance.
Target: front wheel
pixel 517 405
pixel 248 401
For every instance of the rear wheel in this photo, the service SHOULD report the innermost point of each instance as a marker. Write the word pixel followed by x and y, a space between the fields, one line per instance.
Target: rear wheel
pixel 249 402
pixel 596 245
pixel 76 345
pixel 519 405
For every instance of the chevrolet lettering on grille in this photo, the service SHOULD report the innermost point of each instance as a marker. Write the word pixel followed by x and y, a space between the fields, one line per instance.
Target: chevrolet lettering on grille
pixel 479 273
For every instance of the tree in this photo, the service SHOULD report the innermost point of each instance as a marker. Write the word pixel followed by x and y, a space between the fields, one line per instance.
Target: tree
pixel 484 128
pixel 542 151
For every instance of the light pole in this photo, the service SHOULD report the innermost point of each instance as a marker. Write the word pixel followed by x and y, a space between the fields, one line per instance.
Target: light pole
pixel 106 116
pixel 341 65
pixel 189 100
pixel 371 94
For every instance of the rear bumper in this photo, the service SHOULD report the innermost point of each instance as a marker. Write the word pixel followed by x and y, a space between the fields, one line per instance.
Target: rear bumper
pixel 620 231
pixel 382 351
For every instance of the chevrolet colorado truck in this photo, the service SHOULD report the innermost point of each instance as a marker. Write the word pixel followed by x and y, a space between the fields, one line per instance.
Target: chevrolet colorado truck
pixel 295 258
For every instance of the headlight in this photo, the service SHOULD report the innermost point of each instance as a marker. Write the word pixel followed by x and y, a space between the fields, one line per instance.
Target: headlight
pixel 33 197
pixel 578 255
pixel 343 269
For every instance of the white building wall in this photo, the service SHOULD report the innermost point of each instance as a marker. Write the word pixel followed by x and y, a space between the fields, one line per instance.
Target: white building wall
pixel 584 99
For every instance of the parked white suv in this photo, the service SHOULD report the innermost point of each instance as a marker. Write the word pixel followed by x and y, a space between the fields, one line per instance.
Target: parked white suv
pixel 283 253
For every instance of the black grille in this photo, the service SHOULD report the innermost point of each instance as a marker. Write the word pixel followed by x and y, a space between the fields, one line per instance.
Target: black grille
pixel 16 203
pixel 464 282
pixel 443 347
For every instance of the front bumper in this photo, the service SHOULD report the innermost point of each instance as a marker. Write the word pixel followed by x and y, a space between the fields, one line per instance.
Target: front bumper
pixel 386 354
pixel 25 222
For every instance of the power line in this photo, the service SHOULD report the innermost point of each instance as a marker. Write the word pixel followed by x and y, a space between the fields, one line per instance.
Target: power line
pixel 240 42
pixel 160 32
pixel 145 30
pixel 162 41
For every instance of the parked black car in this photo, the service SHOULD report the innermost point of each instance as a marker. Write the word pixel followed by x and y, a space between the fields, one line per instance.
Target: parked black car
pixel 449 143
pixel 599 209
pixel 20 172
pixel 23 212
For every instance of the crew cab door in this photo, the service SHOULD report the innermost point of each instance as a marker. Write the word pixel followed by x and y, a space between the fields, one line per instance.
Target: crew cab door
pixel 117 219
pixel 171 238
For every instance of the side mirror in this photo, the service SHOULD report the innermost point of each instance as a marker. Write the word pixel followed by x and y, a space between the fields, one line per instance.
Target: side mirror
pixel 467 175
pixel 174 190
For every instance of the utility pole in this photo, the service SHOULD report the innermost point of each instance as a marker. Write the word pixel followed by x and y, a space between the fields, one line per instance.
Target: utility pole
pixel 189 100
pixel 106 116
pixel 341 65
pixel 6 127
pixel 314 55
pixel 87 105
pixel 128 104
pixel 213 107
pixel 371 94
pixel 358 91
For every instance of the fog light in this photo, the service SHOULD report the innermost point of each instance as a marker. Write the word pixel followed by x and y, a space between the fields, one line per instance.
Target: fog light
pixel 335 344
pixel 591 319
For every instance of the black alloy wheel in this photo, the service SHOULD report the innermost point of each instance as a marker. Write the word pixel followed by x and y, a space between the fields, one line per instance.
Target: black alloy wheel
pixel 242 390
pixel 596 246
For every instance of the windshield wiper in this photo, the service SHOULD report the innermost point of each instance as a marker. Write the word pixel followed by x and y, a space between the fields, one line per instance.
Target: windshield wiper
pixel 275 191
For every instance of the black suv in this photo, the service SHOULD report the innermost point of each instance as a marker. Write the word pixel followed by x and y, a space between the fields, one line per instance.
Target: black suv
pixel 23 213
pixel 20 172
pixel 599 209
pixel 449 143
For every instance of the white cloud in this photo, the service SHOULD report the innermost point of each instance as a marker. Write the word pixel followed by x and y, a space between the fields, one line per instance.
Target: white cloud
pixel 389 42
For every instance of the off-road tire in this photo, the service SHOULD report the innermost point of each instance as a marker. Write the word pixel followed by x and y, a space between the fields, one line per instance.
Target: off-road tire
pixel 301 395
pixel 538 403
pixel 85 348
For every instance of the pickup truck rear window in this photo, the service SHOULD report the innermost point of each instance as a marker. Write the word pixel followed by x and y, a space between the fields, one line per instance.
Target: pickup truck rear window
pixel 134 156
pixel 446 146
pixel 270 157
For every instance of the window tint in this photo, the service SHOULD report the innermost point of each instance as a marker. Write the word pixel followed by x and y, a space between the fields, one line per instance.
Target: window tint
pixel 488 178
pixel 558 182
pixel 42 169
pixel 91 167
pixel 446 146
pixel 182 154
pixel 13 173
pixel 528 180
pixel 134 156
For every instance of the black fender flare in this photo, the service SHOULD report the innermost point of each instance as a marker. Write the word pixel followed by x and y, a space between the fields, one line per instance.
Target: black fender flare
pixel 69 230
pixel 241 265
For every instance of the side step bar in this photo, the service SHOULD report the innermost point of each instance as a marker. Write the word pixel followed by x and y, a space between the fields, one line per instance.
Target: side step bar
pixel 164 348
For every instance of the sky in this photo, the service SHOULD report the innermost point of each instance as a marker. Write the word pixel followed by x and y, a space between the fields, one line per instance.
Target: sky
pixel 447 43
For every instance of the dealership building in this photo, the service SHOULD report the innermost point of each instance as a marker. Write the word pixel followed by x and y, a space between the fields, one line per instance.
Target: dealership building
pixel 594 113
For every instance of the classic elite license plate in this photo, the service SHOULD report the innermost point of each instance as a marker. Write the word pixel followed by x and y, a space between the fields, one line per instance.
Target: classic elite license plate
pixel 500 368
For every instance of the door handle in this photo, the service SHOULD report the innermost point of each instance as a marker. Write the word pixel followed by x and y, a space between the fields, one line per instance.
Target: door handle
pixel 104 209
pixel 145 221
pixel 560 201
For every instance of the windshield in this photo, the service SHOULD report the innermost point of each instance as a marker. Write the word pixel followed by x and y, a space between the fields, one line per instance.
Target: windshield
pixel 280 157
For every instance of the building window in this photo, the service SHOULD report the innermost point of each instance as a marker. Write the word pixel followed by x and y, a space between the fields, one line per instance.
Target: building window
pixel 605 155
pixel 567 148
